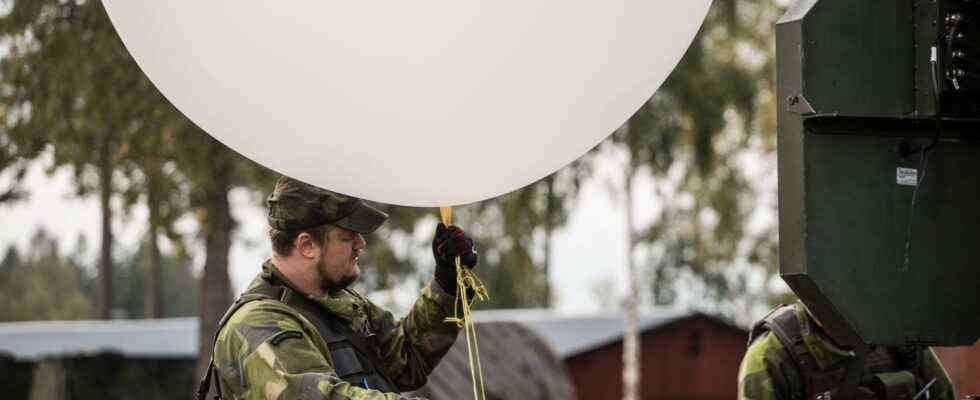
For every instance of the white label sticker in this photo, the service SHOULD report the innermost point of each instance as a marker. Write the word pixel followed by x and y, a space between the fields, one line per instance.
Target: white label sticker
pixel 907 177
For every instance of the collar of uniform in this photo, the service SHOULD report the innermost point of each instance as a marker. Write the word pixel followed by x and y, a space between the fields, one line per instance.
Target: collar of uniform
pixel 271 272
pixel 818 343
pixel 342 303
pixel 348 307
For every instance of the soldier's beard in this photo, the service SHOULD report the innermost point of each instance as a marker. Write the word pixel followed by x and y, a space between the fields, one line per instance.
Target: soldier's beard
pixel 343 283
pixel 332 285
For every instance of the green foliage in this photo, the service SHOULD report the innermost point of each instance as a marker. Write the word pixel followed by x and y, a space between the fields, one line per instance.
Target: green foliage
pixel 180 288
pixel 67 79
pixel 399 249
pixel 15 167
pixel 513 233
pixel 783 298
pixel 69 84
pixel 45 285
pixel 712 110
pixel 42 284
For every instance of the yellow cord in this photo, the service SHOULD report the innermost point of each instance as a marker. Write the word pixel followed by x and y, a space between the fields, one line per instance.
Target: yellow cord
pixel 466 281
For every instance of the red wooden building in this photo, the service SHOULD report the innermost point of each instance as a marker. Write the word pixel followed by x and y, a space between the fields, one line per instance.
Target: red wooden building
pixel 963 366
pixel 685 356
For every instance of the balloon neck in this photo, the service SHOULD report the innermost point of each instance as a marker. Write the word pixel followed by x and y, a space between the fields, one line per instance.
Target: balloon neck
pixel 447 215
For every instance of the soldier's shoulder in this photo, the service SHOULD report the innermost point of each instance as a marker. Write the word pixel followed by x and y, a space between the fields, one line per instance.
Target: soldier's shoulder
pixel 767 371
pixel 253 323
pixel 764 353
pixel 755 377
pixel 265 312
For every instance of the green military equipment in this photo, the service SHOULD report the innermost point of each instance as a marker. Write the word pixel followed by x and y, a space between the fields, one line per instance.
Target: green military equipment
pixel 878 215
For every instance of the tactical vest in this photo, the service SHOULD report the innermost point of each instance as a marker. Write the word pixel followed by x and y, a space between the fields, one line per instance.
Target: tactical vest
pixel 355 355
pixel 889 373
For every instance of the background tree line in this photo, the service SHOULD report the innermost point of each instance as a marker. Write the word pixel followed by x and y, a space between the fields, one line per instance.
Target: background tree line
pixel 70 90
pixel 45 284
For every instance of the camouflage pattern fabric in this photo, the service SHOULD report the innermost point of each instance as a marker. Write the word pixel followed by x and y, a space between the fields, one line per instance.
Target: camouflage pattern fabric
pixel 297 205
pixel 267 350
pixel 768 372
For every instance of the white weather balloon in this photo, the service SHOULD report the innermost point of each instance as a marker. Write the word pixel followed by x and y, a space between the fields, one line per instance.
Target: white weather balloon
pixel 423 102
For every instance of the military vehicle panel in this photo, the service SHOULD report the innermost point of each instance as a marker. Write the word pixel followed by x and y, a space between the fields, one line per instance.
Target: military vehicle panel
pixel 879 199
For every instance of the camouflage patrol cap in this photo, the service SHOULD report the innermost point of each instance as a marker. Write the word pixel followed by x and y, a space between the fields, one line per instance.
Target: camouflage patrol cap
pixel 297 205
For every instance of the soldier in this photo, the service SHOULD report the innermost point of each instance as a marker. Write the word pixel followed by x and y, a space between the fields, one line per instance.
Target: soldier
pixel 299 331
pixel 791 357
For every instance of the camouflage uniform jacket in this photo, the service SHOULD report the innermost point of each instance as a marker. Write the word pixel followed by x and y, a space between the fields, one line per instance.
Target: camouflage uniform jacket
pixel 768 371
pixel 269 350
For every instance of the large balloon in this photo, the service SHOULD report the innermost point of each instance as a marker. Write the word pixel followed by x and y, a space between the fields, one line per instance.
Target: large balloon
pixel 420 102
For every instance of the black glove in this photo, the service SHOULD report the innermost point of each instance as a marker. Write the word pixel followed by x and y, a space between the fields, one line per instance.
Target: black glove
pixel 451 242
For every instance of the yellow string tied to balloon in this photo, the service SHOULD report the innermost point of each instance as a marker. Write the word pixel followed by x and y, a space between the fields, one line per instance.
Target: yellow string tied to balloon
pixel 467 281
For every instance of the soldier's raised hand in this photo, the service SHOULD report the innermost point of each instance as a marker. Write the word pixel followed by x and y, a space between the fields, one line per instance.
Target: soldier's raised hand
pixel 448 243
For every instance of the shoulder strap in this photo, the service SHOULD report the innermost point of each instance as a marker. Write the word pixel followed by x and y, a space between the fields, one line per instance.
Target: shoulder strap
pixel 761 326
pixel 332 330
pixel 784 324
pixel 325 323
pixel 853 373
pixel 253 293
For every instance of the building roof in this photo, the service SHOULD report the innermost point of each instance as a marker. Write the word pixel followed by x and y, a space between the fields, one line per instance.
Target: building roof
pixel 160 338
pixel 566 334
pixel 516 364
pixel 572 334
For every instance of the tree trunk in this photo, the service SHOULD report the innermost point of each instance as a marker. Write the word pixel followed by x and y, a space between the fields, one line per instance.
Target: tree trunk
pixel 217 227
pixel 549 221
pixel 153 295
pixel 105 197
pixel 631 353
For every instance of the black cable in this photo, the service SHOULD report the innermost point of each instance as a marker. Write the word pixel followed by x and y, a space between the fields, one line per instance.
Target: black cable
pixel 923 159
pixel 923 163
pixel 933 66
